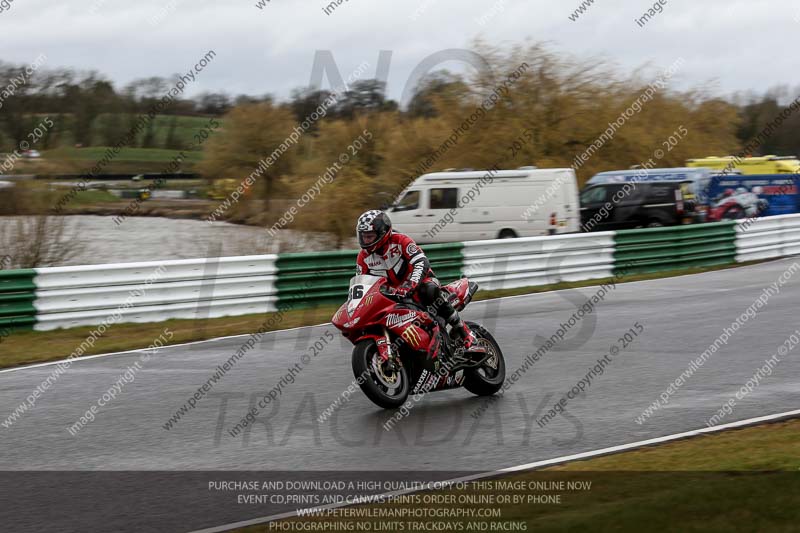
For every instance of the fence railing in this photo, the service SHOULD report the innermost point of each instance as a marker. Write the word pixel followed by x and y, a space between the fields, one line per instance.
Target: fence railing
pixel 17 297
pixel 767 238
pixel 677 247
pixel 61 297
pixel 514 263
pixel 154 291
pixel 331 272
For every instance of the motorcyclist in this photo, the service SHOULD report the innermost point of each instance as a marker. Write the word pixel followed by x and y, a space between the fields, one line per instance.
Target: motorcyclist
pixel 397 258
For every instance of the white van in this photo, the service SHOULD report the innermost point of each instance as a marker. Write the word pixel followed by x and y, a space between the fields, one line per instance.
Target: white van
pixel 488 204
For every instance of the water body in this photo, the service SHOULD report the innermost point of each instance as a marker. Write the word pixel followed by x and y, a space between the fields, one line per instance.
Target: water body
pixel 97 240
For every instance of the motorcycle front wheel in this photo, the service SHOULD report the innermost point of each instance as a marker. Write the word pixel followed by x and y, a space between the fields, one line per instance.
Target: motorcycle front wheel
pixel 386 387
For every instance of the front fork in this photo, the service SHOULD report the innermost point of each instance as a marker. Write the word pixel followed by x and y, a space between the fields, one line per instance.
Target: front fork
pixel 386 352
pixel 384 343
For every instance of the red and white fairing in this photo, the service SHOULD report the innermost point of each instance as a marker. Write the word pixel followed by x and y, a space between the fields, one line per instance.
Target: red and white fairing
pixel 367 312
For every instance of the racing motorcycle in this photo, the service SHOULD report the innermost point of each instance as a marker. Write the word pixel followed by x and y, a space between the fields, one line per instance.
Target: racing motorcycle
pixel 736 205
pixel 401 348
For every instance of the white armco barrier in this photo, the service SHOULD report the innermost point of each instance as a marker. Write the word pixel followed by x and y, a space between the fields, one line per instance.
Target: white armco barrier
pixel 767 238
pixel 229 286
pixel 512 263
pixel 155 291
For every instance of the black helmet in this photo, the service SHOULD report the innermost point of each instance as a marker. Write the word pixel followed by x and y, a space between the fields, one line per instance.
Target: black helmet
pixel 373 229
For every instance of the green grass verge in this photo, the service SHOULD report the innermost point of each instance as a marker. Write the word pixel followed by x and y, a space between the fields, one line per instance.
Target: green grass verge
pixel 126 155
pixel 129 160
pixel 185 127
pixel 24 347
pixel 739 480
pixel 502 293
pixel 110 128
pixel 92 197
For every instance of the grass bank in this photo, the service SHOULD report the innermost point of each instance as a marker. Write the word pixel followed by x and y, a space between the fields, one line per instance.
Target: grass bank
pixel 739 480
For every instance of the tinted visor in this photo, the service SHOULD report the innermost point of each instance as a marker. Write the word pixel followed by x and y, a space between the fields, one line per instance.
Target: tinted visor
pixel 367 238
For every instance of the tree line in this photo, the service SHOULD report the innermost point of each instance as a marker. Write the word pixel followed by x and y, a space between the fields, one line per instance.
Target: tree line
pixel 90 110
pixel 560 103
pixel 557 108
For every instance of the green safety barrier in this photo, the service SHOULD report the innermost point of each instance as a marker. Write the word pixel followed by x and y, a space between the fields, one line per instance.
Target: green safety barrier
pixel 307 280
pixel 313 279
pixel 17 297
pixel 672 248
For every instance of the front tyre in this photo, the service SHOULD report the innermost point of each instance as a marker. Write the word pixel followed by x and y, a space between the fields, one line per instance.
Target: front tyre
pixel 488 378
pixel 386 388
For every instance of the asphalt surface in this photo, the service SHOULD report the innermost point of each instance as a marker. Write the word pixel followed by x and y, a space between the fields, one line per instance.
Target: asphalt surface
pixel 680 316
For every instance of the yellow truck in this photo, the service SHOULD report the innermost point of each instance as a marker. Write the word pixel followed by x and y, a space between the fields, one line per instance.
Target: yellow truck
pixel 221 189
pixel 768 164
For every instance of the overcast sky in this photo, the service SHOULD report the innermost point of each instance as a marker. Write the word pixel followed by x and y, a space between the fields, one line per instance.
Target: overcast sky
pixel 732 44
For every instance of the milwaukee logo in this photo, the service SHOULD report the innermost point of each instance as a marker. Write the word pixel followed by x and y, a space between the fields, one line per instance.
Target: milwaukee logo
pixel 394 320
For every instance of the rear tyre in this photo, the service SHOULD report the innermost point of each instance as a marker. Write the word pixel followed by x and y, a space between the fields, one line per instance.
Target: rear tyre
pixel 655 224
pixel 386 388
pixel 488 378
pixel 507 234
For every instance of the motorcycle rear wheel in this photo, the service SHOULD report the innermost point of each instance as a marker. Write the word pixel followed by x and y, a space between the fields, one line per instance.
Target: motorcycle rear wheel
pixel 488 378
pixel 385 389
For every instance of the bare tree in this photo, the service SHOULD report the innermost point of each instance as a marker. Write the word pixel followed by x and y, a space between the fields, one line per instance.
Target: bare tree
pixel 39 241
